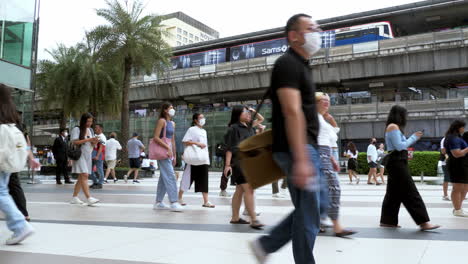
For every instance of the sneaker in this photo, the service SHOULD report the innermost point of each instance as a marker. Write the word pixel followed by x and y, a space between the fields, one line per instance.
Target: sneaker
pixel 125 178
pixel 76 200
pixel 176 207
pixel 278 195
pixel 98 186
pixel 115 180
pixel 105 181
pixel 136 181
pixel 224 194
pixel 27 231
pixel 92 201
pixel 446 198
pixel 160 206
pixel 460 213
pixel 258 251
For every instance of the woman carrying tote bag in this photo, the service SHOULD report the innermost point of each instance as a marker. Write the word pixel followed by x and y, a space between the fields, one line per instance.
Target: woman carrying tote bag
pixel 197 157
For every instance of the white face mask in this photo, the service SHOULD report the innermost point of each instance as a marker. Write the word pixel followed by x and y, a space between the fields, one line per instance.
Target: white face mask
pixel 313 42
pixel 65 134
pixel 202 121
pixel 172 112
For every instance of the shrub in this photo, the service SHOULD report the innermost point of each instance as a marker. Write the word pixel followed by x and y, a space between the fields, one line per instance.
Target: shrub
pixel 422 162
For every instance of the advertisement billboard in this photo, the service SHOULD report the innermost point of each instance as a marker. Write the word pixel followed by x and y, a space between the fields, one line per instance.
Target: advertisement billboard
pixel 259 49
pixel 199 59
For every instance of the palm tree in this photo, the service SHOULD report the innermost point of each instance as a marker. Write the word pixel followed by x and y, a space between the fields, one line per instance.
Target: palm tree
pixel 132 41
pixel 76 82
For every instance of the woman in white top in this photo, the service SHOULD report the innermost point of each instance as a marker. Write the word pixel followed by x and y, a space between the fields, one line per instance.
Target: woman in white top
pixel 380 155
pixel 328 134
pixel 196 137
pixel 83 137
pixel 352 155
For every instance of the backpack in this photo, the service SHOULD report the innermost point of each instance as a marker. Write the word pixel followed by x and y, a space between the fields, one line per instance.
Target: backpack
pixel 13 149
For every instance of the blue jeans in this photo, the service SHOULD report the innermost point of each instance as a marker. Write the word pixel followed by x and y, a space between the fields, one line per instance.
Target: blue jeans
pixel 303 224
pixel 167 182
pixel 99 169
pixel 14 219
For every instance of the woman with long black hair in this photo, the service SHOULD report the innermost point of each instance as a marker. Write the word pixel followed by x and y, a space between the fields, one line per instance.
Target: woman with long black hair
pixel 352 155
pixel 83 137
pixel 240 128
pixel 197 138
pixel 457 148
pixel 15 221
pixel 400 184
pixel 165 128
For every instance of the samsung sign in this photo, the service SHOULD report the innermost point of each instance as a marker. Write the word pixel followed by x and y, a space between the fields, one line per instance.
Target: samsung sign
pixel 259 49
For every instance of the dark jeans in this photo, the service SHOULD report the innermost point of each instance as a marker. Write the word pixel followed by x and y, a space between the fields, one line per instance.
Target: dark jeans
pixel 275 187
pixel 61 169
pixel 301 225
pixel 401 189
pixel 17 193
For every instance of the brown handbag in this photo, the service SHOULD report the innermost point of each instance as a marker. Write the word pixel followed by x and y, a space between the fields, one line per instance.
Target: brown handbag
pixel 256 157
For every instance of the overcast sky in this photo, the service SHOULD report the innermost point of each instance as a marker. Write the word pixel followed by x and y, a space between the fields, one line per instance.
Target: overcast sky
pixel 65 21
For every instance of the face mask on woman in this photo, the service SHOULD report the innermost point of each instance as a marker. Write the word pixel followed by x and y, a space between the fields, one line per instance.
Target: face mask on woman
pixel 172 112
pixel 202 121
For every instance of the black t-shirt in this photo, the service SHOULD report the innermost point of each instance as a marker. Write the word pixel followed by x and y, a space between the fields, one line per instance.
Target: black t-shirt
pixel 235 134
pixel 292 71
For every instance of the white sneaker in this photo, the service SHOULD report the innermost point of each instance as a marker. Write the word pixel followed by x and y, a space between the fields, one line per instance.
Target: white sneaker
pixel 76 200
pixel 445 198
pixel 224 194
pixel 176 207
pixel 92 201
pixel 460 213
pixel 278 195
pixel 160 206
pixel 258 252
pixel 20 236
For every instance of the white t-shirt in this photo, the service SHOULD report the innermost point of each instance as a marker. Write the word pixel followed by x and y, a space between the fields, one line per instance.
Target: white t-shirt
pixel 328 135
pixel 372 152
pixel 442 163
pixel 199 135
pixel 112 146
pixel 353 156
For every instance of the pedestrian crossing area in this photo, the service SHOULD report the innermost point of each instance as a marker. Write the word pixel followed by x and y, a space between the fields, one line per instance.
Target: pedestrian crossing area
pixel 124 228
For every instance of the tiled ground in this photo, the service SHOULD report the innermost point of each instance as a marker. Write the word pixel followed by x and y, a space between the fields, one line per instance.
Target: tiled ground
pixel 123 228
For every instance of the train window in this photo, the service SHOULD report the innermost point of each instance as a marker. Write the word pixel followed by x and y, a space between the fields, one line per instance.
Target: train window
pixel 370 31
pixel 197 38
pixel 386 29
pixel 348 35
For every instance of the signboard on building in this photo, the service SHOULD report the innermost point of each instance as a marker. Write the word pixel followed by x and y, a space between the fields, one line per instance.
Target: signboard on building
pixel 199 59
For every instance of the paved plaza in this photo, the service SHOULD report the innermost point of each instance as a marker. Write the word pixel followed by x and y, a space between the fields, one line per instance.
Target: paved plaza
pixel 124 229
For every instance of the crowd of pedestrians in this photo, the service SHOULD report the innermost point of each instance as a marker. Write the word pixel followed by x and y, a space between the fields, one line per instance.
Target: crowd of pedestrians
pixel 305 137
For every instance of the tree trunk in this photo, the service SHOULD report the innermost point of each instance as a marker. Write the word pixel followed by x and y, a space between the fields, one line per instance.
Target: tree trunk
pixel 63 121
pixel 124 125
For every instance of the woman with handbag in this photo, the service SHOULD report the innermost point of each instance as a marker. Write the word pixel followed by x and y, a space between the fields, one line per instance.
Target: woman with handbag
pixel 352 155
pixel 400 184
pixel 164 138
pixel 197 157
pixel 327 137
pixel 83 138
pixel 240 128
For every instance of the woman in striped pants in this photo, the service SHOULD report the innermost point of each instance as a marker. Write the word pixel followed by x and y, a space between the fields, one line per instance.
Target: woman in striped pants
pixel 326 140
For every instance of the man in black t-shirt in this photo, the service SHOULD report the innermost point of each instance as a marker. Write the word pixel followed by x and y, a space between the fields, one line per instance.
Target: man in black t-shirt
pixel 295 129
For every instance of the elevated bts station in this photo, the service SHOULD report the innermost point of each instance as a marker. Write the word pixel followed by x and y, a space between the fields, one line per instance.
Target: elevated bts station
pixel 415 55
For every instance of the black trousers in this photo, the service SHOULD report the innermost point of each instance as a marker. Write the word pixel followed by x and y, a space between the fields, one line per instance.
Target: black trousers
pixel 61 169
pixel 17 193
pixel 401 189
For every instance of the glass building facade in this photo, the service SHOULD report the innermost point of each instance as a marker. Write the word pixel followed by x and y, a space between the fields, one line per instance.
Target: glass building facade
pixel 16 31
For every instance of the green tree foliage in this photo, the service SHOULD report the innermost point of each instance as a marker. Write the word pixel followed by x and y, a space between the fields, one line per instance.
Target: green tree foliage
pixel 422 162
pixel 133 42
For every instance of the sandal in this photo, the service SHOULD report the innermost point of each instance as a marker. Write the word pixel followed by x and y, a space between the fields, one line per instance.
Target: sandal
pixel 390 226
pixel 257 225
pixel 432 227
pixel 240 222
pixel 345 233
pixel 209 205
pixel 182 203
